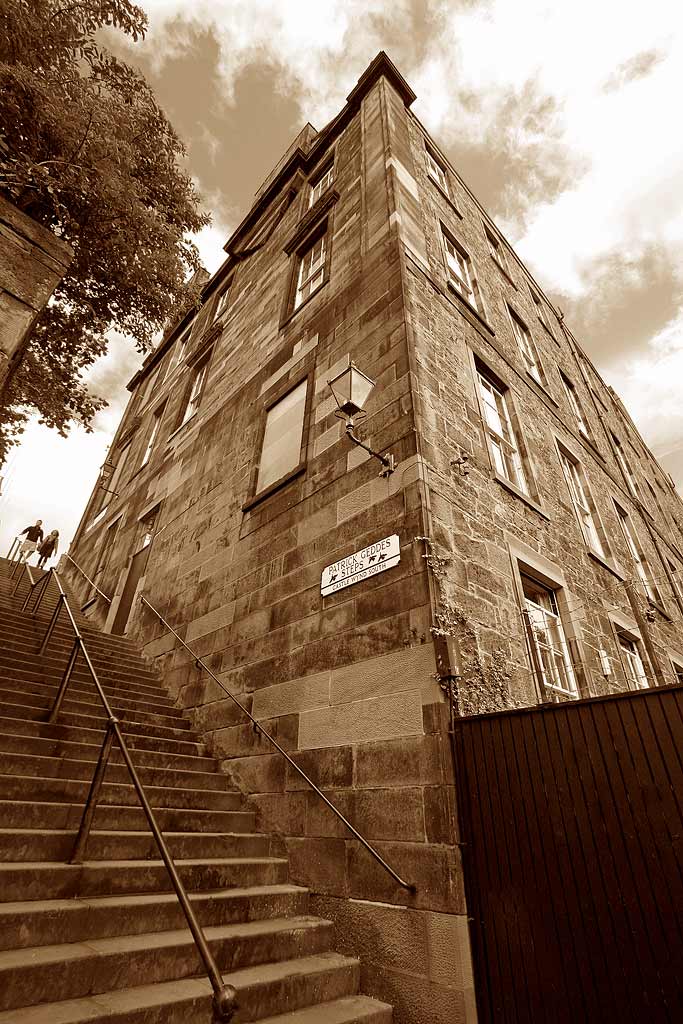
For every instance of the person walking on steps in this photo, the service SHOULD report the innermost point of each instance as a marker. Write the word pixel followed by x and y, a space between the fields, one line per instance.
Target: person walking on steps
pixel 34 535
pixel 48 548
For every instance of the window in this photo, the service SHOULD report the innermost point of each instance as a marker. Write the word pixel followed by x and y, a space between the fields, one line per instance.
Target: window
pixel 115 478
pixel 541 311
pixel 179 349
pixel 637 555
pixel 575 405
pixel 502 441
pixel 496 249
pixel 677 666
pixel 550 651
pixel 321 184
pixel 153 434
pixel 580 495
pixel 195 394
pixel 437 172
pixel 634 670
pixel 676 573
pixel 624 466
pixel 282 437
pixel 223 300
pixel 146 527
pixel 526 347
pixel 460 275
pixel 311 273
pixel 103 561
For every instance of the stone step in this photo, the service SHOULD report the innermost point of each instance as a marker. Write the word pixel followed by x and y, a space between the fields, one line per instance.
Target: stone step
pixel 137 724
pixel 82 771
pixel 30 664
pixel 136 711
pixel 40 880
pixel 12 690
pixel 18 814
pixel 54 973
pixel 36 680
pixel 28 788
pixel 314 982
pixel 25 844
pixel 62 730
pixel 46 922
pixel 47 746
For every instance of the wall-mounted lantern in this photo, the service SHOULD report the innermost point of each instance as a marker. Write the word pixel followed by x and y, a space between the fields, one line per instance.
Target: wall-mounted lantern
pixel 351 389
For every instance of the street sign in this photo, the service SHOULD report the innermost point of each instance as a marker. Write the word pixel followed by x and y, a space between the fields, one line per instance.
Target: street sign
pixel 375 558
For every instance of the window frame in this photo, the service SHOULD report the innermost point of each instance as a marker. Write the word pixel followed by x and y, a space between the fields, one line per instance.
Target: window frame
pixel 497 250
pixel 223 300
pixel 576 407
pixel 269 401
pixel 436 170
pixel 624 466
pixel 326 174
pixel 583 503
pixel 628 645
pixel 200 373
pixel 638 557
pixel 527 347
pixel 455 278
pixel 540 665
pixel 153 438
pixel 541 311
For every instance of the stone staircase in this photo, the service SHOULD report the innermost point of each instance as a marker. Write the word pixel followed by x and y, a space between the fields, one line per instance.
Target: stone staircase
pixel 105 941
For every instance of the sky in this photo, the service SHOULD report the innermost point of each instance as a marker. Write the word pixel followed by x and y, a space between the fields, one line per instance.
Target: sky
pixel 562 119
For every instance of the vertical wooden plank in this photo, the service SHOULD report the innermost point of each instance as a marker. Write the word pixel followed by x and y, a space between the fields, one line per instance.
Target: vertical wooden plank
pixel 496 919
pixel 559 969
pixel 593 936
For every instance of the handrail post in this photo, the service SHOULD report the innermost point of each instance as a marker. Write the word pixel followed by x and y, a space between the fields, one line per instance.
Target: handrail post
pixel 53 623
pixel 37 588
pixel 224 996
pixel 93 795
pixel 54 710
pixel 41 593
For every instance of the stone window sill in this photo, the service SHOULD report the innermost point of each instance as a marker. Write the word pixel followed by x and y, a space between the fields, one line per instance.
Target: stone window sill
pixel 470 308
pixel 526 498
pixel 290 316
pixel 445 195
pixel 503 271
pixel 607 563
pixel 256 499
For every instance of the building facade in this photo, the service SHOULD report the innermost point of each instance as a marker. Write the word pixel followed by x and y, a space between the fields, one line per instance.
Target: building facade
pixel 541 551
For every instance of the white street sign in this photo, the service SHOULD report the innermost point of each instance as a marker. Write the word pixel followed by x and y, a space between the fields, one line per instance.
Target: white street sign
pixel 383 554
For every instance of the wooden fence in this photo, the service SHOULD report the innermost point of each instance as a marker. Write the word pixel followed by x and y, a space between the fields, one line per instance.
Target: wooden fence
pixel 573 852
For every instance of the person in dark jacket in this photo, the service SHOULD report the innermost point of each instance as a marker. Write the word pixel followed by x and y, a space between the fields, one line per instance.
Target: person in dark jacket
pixel 48 548
pixel 34 535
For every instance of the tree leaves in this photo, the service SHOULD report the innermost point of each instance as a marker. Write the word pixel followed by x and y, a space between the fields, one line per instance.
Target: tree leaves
pixel 86 150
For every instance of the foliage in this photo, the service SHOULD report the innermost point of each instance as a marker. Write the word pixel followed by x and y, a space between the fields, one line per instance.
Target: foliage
pixel 87 152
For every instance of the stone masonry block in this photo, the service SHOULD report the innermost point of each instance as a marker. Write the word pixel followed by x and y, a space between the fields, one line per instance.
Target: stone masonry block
pixel 257 774
pixel 212 621
pixel 329 768
pixel 377 814
pixel 408 669
pixel 296 695
pixel 408 761
pixel 378 718
pixel 318 863
pixel 435 870
pixel 450 958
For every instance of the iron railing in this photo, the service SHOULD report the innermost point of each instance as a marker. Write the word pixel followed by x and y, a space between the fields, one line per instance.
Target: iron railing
pixel 259 729
pixel 224 996
pixel 85 575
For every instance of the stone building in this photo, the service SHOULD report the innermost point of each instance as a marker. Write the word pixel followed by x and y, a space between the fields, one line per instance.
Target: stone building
pixel 541 551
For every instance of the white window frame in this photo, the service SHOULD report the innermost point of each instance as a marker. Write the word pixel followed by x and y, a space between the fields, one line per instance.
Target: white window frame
pixel 321 185
pixel 541 311
pixel 677 666
pixel 437 172
pixel 154 433
pixel 195 396
pixel 575 405
pixel 526 346
pixel 633 545
pixel 501 436
pixel 496 250
pixel 223 300
pixel 632 662
pixel 581 500
pixel 624 465
pixel 550 642
pixel 460 271
pixel 311 270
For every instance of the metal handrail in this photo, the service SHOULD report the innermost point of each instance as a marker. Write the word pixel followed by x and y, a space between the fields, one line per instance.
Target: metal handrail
pixel 259 728
pixel 91 582
pixel 224 996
